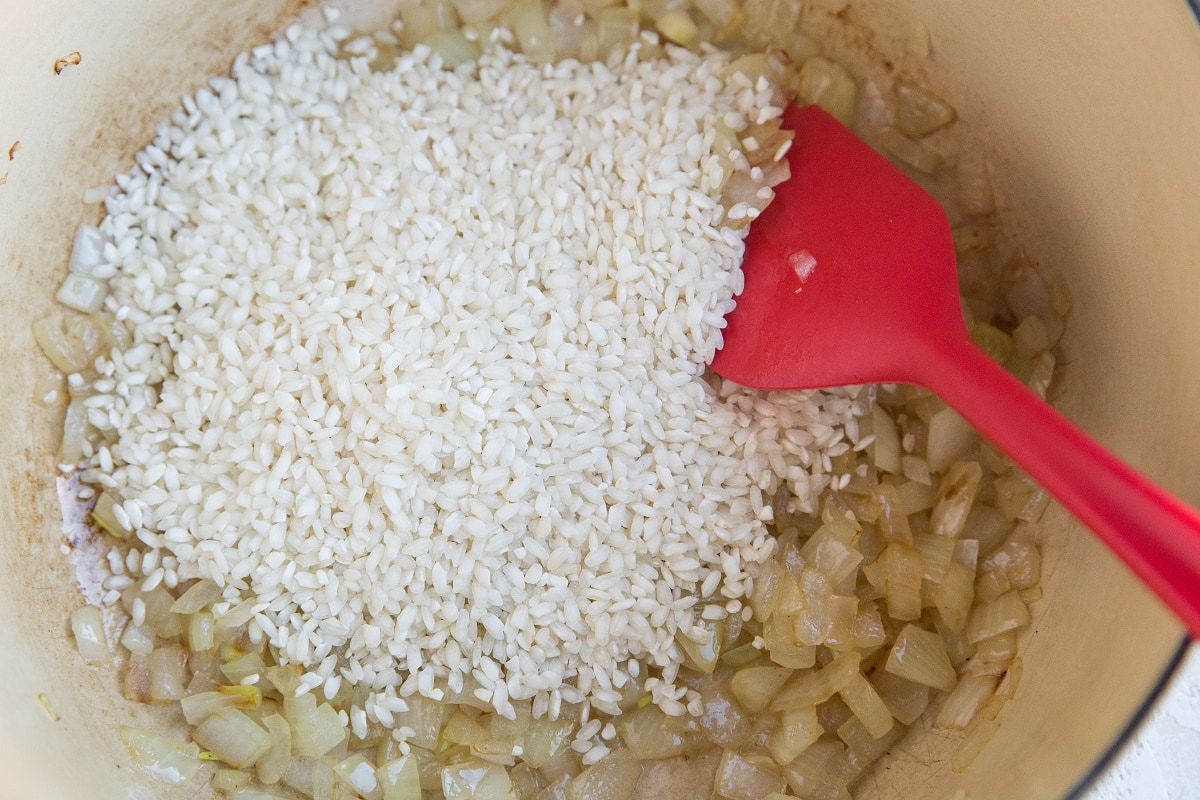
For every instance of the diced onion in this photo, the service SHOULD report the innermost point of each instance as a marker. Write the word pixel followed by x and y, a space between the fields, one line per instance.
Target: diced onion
pixel 613 777
pixel 812 688
pixel 87 252
pixel 905 699
pixel 830 86
pixel 315 729
pixel 82 294
pixel 919 113
pixel 230 781
pixel 796 733
pixel 722 720
pixel 995 617
pixel 103 515
pixel 956 493
pixel 359 775
pixel 974 185
pixel 903 573
pixel 399 779
pixel 233 738
pixel 920 656
pixel 71 342
pixel 644 731
pixel 87 624
pixel 755 686
pixel 915 154
pixel 546 738
pixel 532 30
pixel 886 448
pixel 198 596
pixel 137 640
pixel 678 27
pixel 74 431
pixel 740 779
pixel 454 48
pixel 950 437
pixel 201 632
pixel 169 759
pixel 955 595
pixel 866 704
pixel 199 707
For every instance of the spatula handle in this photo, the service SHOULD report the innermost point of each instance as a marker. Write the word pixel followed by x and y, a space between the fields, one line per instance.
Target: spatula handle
pixel 1156 535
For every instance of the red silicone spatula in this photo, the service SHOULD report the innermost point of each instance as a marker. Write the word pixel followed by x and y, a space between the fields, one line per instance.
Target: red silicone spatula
pixel 850 278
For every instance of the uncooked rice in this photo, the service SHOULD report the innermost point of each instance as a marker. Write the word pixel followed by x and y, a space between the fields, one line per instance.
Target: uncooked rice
pixel 418 370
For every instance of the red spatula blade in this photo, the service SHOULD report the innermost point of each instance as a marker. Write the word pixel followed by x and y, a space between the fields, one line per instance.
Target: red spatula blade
pixel 849 264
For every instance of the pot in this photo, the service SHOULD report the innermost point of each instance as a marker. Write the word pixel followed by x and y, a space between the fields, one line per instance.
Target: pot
pixel 1092 121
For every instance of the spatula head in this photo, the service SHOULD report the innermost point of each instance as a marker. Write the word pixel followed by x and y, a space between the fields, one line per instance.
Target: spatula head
pixel 849 271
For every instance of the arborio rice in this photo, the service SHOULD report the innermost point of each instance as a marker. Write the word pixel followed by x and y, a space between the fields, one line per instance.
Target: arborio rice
pixel 417 371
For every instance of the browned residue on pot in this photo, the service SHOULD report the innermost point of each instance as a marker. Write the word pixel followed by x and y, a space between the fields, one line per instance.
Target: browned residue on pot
pixel 66 61
pixel 12 151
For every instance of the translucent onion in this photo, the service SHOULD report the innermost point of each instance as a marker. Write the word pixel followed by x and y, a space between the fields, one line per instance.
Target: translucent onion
pixel 618 29
pixel 796 733
pixel 893 519
pixel 905 699
pixel 399 779
pixel 546 738
pixel 903 573
pixel 740 779
pixel 755 686
pixel 315 729
pixel 613 777
pixel 867 705
pixel 956 492
pixel 812 688
pixel 168 759
pixel 993 618
pixel 87 624
pixel 359 774
pixel 137 640
pixel 230 780
pixel 830 86
pixel 201 632
pixel 723 720
pixel 815 772
pixel 974 185
pixel 955 595
pixel 233 738
pixel 919 113
pixel 677 26
pixel 920 656
pixel 915 154
pixel 987 525
pixel 274 763
pixel 74 431
pixel 461 729
pixel 950 437
pixel 102 514
pixel 644 731
pixel 993 341
pixel 724 14
pixel 702 656
pixel 936 555
pixel 87 251
pixel 81 293
pixel 168 674
pixel 454 48
pixel 1021 562
pixel 71 342
pixel 885 450
pixel 198 596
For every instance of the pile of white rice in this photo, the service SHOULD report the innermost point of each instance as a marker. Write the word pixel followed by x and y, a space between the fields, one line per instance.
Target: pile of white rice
pixel 419 369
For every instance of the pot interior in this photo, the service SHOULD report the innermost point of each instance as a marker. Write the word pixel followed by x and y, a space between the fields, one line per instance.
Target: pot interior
pixel 1091 121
